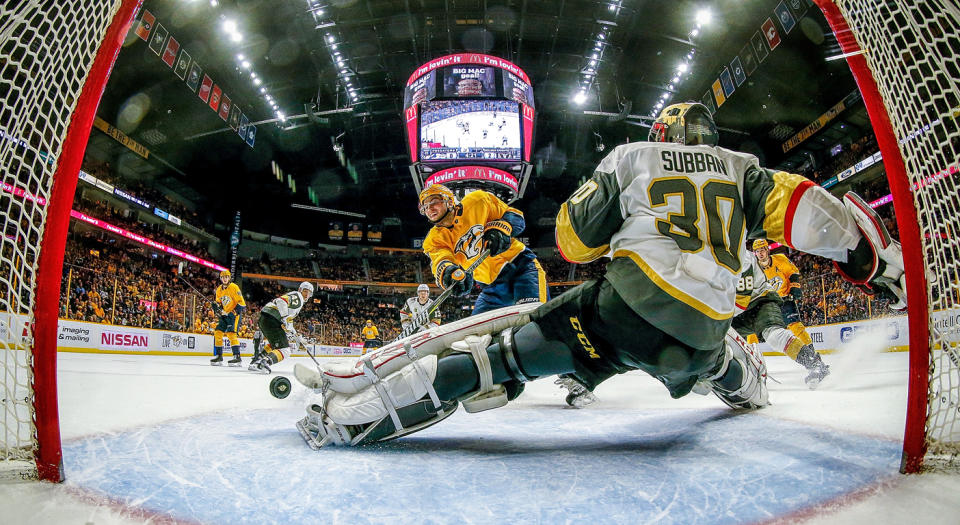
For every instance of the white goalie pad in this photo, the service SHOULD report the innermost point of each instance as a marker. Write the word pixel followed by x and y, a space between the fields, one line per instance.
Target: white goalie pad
pixel 401 388
pixel 752 392
pixel 352 376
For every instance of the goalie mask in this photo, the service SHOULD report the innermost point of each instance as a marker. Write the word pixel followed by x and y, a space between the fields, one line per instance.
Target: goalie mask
pixel 687 123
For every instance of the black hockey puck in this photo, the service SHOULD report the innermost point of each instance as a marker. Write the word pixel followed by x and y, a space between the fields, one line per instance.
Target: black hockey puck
pixel 280 387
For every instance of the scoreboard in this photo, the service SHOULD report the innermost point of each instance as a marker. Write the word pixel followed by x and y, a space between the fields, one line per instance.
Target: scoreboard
pixel 469 124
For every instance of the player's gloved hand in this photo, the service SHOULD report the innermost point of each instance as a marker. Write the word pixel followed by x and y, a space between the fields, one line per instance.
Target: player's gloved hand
pixel 876 264
pixel 451 274
pixel 496 236
pixel 217 309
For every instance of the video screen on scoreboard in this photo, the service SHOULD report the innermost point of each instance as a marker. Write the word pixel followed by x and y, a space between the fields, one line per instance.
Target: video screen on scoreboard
pixel 470 130
pixel 469 81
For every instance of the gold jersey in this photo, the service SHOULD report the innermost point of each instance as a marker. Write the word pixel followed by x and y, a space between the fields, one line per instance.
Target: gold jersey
pixel 229 297
pixel 463 242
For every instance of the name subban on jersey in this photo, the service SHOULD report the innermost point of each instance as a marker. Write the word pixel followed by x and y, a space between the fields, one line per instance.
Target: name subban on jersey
pixel 691 162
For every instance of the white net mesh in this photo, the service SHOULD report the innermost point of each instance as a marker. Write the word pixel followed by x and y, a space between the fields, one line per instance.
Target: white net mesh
pixel 46 51
pixel 913 51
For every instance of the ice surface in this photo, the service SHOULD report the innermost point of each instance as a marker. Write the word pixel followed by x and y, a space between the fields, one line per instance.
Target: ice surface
pixel 171 439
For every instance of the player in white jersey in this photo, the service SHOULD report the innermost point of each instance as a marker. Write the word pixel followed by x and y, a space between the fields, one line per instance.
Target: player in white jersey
pixel 673 214
pixel 413 308
pixel 276 324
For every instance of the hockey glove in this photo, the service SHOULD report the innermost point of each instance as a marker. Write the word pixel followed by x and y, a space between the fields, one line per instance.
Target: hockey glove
pixel 876 264
pixel 217 309
pixel 496 236
pixel 451 274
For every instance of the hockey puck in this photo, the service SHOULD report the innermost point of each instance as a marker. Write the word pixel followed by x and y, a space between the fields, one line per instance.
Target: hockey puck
pixel 280 387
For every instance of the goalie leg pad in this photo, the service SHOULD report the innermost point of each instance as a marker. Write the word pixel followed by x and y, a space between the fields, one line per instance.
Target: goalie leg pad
pixel 741 377
pixel 319 430
pixel 348 376
pixel 490 395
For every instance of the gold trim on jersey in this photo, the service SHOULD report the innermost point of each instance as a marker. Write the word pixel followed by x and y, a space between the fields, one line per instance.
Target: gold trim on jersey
pixel 541 282
pixel 775 207
pixel 570 244
pixel 672 291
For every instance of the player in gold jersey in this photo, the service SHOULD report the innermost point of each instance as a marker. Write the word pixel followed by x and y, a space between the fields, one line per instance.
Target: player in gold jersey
pixel 462 230
pixel 784 277
pixel 229 306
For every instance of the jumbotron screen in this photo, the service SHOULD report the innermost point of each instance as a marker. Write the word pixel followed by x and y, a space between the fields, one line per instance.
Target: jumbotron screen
pixel 470 130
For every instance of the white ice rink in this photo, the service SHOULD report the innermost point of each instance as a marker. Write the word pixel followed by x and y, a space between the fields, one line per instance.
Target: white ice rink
pixel 174 440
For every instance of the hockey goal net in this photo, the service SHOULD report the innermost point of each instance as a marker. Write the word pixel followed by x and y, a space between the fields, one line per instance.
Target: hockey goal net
pixel 905 56
pixel 55 57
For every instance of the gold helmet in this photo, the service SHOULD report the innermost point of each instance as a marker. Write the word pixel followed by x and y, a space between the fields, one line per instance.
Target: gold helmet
pixel 760 243
pixel 437 190
pixel 225 273
pixel 687 123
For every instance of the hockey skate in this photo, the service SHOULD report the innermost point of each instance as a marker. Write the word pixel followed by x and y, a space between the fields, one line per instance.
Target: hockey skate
pixel 811 360
pixel 318 430
pixel 217 361
pixel 579 396
pixel 236 361
pixel 260 366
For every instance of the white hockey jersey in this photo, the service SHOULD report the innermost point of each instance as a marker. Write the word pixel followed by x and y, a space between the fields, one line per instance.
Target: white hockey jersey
pixel 285 307
pixel 412 308
pixel 674 219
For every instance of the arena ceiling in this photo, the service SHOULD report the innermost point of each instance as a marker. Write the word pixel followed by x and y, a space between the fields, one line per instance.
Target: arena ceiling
pixel 289 45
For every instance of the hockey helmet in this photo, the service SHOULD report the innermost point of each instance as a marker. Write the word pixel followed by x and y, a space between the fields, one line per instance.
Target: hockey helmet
pixel 760 243
pixel 437 190
pixel 423 288
pixel 225 273
pixel 307 285
pixel 687 123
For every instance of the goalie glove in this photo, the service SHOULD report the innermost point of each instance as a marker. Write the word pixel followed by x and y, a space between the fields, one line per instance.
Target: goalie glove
pixel 451 274
pixel 876 264
pixel 497 236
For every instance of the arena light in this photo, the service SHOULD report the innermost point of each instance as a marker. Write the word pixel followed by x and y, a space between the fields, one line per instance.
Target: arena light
pixel 229 26
pixel 240 57
pixel 236 37
pixel 214 3
pixel 682 67
pixel 246 64
pixel 580 98
pixel 703 17
pixel 694 33
pixel 331 39
pixel 143 240
pixel 257 81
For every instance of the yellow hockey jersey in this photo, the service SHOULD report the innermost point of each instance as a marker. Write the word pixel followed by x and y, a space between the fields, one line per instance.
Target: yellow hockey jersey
pixel 369 332
pixel 229 297
pixel 779 273
pixel 463 242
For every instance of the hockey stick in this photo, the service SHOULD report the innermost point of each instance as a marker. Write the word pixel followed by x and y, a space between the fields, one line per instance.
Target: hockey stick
pixel 303 343
pixel 424 315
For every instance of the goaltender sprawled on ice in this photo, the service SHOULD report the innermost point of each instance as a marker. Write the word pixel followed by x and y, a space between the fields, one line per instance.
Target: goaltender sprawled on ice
pixel 673 214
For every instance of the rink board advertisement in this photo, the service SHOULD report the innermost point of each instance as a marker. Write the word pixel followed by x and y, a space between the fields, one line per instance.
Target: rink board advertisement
pixel 80 336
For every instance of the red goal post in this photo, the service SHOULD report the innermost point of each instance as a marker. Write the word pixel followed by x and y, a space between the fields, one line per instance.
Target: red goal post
pixel 905 57
pixel 55 58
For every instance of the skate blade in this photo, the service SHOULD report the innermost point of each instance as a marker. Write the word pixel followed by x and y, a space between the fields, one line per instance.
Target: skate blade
pixel 216 364
pixel 236 365
pixel 308 436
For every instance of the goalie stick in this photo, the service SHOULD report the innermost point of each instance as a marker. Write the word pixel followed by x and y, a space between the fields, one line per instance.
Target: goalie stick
pixel 424 315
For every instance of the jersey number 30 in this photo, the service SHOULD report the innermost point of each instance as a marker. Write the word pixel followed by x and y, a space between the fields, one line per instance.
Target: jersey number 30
pixel 724 234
